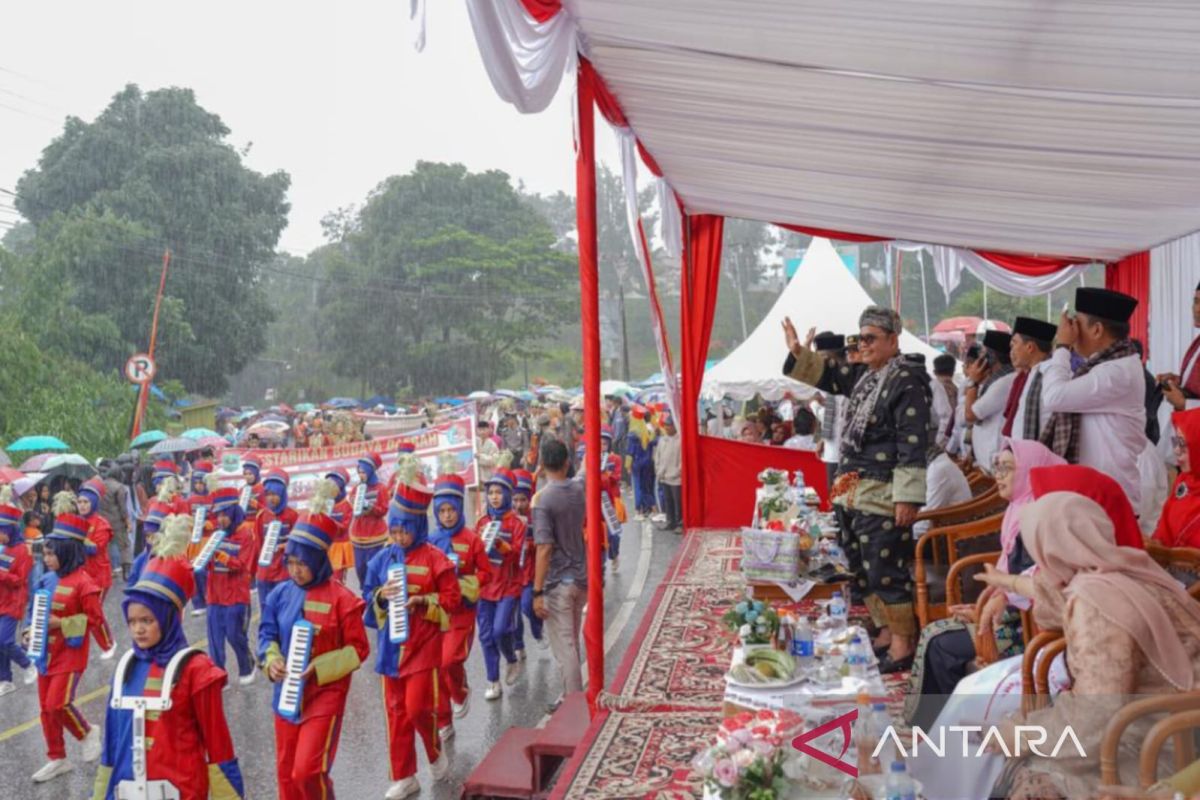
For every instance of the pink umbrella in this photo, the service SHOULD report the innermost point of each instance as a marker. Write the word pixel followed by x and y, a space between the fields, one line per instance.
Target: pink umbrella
pixel 35 463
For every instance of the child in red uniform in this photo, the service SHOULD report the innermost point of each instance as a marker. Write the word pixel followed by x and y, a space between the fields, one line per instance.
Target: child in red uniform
pixel 228 585
pixel 369 529
pixel 410 670
pixel 305 748
pixel 341 553
pixel 465 551
pixel 199 503
pixel 75 613
pixel 275 507
pixel 15 565
pixel 100 534
pixel 188 745
pixel 522 497
pixel 165 481
pixel 500 600
pixel 251 471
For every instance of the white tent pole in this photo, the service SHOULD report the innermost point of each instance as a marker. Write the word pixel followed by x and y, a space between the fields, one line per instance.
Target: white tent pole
pixel 985 314
pixel 924 294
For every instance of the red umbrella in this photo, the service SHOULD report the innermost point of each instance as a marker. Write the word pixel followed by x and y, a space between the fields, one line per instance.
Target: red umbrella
pixel 957 329
pixel 9 475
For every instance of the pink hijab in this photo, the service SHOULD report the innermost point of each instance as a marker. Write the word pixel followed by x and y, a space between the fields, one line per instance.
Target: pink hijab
pixel 1071 538
pixel 1029 455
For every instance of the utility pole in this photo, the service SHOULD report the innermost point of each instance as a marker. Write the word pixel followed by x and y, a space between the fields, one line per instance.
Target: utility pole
pixel 624 331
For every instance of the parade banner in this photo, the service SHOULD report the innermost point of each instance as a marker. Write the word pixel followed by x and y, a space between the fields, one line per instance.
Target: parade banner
pixel 379 425
pixel 306 466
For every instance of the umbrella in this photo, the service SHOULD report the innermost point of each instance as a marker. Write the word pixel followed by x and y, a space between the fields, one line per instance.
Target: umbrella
pixel 66 465
pixel 342 402
pixel 306 407
pixel 270 429
pixel 175 444
pixel 148 438
pixel 479 395
pixel 27 482
pixel 506 393
pixel 549 389
pixel 215 442
pixel 528 397
pixel 199 433
pixel 10 475
pixel 38 444
pixel 957 329
pixel 4 459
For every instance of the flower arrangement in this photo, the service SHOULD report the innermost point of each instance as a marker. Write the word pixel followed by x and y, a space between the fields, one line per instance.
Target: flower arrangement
pixel 774 493
pixel 746 763
pixel 754 621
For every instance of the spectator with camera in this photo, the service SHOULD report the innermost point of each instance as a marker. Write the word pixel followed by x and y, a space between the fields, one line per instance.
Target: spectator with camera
pixel 991 378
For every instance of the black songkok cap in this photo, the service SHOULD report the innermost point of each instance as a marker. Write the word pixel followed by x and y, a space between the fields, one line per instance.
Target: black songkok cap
pixel 1035 329
pixel 1105 304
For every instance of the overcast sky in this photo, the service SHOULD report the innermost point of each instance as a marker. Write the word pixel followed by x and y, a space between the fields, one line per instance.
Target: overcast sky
pixel 334 94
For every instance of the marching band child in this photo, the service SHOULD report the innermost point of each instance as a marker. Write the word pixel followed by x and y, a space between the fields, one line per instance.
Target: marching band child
pixel 200 498
pixel 522 496
pixel 156 515
pixel 465 551
pixel 500 599
pixel 610 483
pixel 188 745
pixel 305 749
pixel 410 671
pixel 275 507
pixel 167 488
pixel 75 613
pixel 341 553
pixel 251 471
pixel 369 529
pixel 228 584
pixel 15 566
pixel 100 534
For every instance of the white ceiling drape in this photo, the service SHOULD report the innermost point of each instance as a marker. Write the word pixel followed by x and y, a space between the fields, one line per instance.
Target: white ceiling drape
pixel 525 60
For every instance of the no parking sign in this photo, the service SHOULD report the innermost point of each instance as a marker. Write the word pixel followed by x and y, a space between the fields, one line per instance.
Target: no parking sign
pixel 140 368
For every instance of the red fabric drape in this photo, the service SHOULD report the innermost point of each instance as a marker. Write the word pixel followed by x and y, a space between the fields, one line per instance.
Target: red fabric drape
pixel 730 476
pixel 1035 266
pixel 542 10
pixel 697 302
pixel 825 233
pixel 589 313
pixel 1131 275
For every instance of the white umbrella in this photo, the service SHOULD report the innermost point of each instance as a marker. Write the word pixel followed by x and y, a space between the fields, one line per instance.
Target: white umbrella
pixel 480 395
pixel 609 388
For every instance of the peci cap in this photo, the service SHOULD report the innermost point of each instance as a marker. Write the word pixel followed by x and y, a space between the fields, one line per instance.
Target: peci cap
pixel 1035 329
pixel 1105 304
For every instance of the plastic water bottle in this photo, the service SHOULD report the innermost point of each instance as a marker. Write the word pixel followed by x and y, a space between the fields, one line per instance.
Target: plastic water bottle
pixel 865 738
pixel 857 658
pixel 839 613
pixel 802 643
pixel 880 722
pixel 898 785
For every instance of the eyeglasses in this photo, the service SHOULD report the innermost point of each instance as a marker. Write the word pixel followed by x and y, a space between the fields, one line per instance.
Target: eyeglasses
pixel 1179 443
pixel 1001 469
pixel 866 339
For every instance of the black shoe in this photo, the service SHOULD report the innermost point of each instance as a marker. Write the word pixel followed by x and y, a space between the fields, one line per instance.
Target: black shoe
pixel 882 650
pixel 888 666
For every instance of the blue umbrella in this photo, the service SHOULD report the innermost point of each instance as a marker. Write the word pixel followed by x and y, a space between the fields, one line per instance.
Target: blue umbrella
pixel 40 444
pixel 199 433
pixel 342 402
pixel 147 438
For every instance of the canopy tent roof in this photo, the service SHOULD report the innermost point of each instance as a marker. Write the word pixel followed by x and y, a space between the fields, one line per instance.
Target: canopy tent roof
pixel 823 294
pixel 1064 129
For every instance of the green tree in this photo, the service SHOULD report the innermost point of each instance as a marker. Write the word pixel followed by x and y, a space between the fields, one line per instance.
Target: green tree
pixel 154 171
pixel 445 280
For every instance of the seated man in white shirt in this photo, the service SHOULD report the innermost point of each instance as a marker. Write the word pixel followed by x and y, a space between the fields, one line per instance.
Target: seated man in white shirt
pixel 991 377
pixel 1099 412
pixel 945 485
pixel 1032 345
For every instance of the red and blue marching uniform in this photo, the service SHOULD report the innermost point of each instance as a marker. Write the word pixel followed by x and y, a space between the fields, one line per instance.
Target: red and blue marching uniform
pixel 75 606
pixel 305 749
pixel 228 583
pixel 500 599
pixel 200 502
pixel 187 745
pixel 410 671
pixel 100 534
pixel 275 573
pixel 15 566
pixel 527 563
pixel 369 530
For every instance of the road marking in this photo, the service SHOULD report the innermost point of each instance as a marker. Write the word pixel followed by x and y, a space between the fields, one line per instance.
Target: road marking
pixel 91 696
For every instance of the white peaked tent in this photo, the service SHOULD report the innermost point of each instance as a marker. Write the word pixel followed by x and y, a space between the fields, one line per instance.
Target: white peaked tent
pixel 822 294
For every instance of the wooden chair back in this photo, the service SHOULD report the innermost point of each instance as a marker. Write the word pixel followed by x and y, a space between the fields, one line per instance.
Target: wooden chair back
pixel 984 505
pixel 980 482
pixel 1030 700
pixel 1184 711
pixel 939 548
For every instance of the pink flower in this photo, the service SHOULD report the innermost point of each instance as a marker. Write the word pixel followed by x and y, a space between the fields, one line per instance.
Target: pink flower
pixel 726 773
pixel 742 736
pixel 762 748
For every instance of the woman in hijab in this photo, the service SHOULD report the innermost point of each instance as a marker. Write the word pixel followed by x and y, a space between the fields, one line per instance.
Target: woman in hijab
pixel 193 750
pixel 1095 486
pixel 76 614
pixel 465 551
pixel 306 744
pixel 947 647
pixel 1179 525
pixel 500 599
pixel 409 669
pixel 1130 628
pixel 275 508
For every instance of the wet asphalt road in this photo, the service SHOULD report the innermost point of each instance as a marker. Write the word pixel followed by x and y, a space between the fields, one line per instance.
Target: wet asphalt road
pixel 361 767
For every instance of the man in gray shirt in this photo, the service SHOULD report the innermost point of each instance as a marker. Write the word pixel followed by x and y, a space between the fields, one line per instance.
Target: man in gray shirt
pixel 560 572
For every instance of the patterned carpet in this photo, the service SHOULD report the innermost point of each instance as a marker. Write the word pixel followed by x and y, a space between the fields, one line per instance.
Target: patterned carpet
pixel 665 704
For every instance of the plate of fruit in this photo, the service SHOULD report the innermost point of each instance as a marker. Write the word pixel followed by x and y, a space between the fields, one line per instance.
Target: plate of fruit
pixel 764 668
